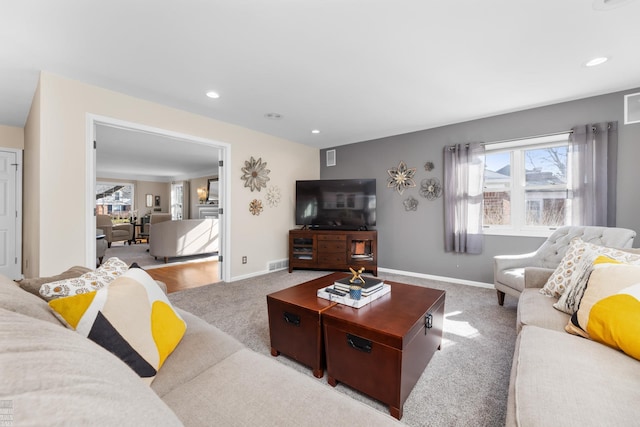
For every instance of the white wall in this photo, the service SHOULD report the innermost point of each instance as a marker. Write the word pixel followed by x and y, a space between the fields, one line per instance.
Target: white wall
pixel 59 183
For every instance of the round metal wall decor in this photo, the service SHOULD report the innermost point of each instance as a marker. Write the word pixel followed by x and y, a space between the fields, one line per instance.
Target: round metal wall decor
pixel 410 204
pixel 430 188
pixel 401 177
pixel 429 166
pixel 255 207
pixel 273 196
pixel 255 174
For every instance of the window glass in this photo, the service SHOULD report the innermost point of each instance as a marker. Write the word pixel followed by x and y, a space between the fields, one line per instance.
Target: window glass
pixel 115 199
pixel 525 185
pixel 497 189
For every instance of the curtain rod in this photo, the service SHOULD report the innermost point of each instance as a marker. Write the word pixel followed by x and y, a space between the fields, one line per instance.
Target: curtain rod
pixel 528 137
pixel 570 131
pixel 453 147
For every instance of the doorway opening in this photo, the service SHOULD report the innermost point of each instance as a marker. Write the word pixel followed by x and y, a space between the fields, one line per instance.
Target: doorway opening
pixel 138 150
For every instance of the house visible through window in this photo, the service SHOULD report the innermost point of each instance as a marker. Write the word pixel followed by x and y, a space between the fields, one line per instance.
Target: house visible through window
pixel 526 185
pixel 115 199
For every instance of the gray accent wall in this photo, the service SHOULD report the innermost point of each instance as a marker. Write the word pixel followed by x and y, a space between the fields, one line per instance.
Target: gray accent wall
pixel 414 241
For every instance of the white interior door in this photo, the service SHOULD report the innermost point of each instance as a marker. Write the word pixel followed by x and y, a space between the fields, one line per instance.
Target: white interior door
pixel 10 215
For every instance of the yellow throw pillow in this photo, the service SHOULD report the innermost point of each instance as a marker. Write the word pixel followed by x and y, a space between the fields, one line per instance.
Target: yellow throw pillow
pixel 609 311
pixel 132 318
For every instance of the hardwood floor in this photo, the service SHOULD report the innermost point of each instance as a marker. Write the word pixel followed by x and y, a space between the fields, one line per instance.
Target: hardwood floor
pixel 187 275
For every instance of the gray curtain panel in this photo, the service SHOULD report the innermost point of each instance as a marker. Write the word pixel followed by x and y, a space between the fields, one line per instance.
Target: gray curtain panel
pixel 463 195
pixel 594 155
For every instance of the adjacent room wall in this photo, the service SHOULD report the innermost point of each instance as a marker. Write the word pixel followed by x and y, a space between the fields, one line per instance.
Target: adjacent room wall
pixel 11 137
pixel 56 175
pixel 414 241
pixel 141 189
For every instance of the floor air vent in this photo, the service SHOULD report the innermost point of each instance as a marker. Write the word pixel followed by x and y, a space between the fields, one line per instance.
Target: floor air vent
pixel 278 265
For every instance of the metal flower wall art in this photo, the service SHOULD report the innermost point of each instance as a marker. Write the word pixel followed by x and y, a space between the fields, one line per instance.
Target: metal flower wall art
pixel 255 207
pixel 255 174
pixel 401 177
pixel 430 188
pixel 273 196
pixel 410 204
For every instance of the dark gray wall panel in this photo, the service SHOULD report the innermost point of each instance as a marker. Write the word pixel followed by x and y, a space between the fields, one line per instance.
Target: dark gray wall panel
pixel 413 241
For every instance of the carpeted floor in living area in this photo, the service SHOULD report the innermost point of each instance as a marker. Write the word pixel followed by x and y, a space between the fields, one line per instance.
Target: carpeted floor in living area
pixel 465 384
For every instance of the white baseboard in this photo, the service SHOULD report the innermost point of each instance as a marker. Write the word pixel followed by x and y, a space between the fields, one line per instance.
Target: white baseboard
pixel 389 270
pixel 441 278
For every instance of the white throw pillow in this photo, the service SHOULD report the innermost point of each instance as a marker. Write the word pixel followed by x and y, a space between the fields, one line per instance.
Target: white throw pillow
pixel 88 282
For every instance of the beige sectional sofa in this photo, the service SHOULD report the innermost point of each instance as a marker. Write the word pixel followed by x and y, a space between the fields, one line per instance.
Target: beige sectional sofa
pixel 170 239
pixel 52 375
pixel 558 379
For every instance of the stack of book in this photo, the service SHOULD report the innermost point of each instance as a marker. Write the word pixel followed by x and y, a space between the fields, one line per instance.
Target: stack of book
pixel 342 297
pixel 370 286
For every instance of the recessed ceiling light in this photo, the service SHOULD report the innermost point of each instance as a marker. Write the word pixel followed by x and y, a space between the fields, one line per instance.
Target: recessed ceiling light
pixel 315 131
pixel 596 61
pixel 212 94
pixel 273 116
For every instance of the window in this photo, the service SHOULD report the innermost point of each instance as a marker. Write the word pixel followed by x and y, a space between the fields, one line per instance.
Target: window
pixel 115 199
pixel 526 190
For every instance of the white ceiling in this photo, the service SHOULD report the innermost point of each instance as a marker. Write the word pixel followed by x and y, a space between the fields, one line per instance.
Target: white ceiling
pixel 133 154
pixel 355 69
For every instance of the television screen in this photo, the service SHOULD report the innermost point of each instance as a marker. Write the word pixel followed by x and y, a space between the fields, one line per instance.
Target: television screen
pixel 336 203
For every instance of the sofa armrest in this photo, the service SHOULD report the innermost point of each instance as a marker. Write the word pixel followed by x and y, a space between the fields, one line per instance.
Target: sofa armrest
pixel 108 232
pixel 505 262
pixel 536 277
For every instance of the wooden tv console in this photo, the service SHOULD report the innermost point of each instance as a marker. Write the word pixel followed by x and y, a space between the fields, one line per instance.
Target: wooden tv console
pixel 333 250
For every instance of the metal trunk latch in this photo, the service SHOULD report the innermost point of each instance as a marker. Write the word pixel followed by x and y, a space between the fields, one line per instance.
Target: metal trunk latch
pixel 428 322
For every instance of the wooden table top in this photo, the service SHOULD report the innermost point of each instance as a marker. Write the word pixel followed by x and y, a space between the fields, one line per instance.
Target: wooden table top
pixel 304 294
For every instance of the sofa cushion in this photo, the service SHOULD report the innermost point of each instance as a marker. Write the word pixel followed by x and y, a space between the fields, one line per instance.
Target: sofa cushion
pixel 33 285
pixel 132 318
pixel 15 299
pixel 570 299
pixel 53 376
pixel 561 379
pixel 610 309
pixel 537 310
pixel 88 282
pixel 252 389
pixel 202 346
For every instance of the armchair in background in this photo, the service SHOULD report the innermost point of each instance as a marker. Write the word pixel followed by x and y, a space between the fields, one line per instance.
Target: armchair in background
pixel 114 232
pixel 101 245
pixel 509 270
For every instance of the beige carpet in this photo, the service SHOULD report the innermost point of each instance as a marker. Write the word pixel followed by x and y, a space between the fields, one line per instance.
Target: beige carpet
pixel 465 384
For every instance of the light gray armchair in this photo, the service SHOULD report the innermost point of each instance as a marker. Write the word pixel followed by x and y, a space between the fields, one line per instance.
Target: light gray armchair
pixel 511 272
pixel 114 232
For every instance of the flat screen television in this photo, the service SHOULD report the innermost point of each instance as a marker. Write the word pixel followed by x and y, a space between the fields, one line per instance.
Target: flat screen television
pixel 347 204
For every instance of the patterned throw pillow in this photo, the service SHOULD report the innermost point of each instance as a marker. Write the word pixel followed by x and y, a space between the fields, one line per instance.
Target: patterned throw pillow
pixel 88 282
pixel 569 301
pixel 610 308
pixel 132 318
pixel 561 277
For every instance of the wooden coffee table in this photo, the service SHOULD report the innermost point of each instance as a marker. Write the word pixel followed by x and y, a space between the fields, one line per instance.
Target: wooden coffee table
pixel 381 349
pixel 295 322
